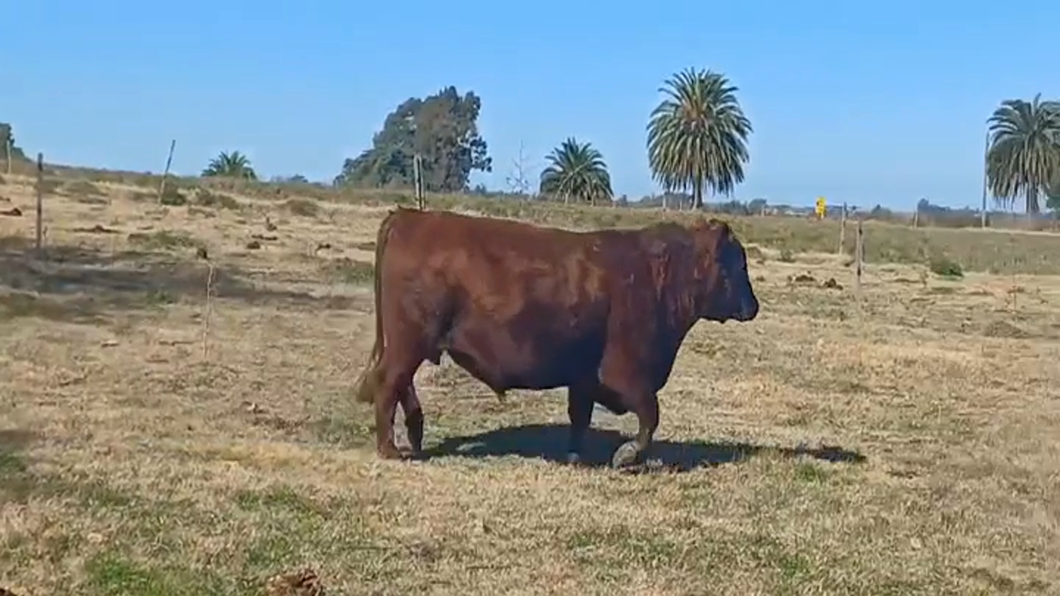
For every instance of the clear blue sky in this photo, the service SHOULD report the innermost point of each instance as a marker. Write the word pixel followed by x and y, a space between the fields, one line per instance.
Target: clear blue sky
pixel 866 102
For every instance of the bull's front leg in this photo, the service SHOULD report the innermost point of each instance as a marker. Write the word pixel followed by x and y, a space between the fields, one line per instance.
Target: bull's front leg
pixel 646 407
pixel 580 411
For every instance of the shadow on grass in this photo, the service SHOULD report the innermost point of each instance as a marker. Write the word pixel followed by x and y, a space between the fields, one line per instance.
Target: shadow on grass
pixel 549 441
pixel 76 282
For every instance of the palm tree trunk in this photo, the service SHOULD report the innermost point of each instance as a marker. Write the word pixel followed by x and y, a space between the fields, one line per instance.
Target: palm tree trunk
pixel 1032 201
pixel 697 194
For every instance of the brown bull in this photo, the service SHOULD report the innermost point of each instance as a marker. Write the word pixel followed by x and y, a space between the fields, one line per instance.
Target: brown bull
pixel 518 306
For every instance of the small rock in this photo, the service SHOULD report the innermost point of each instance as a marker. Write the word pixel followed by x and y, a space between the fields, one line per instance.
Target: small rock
pixel 201 253
pixel 12 212
pixel 253 245
pixel 109 343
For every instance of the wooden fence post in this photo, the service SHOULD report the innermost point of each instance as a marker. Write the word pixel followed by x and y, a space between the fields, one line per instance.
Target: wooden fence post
pixel 40 202
pixel 165 173
pixel 859 256
pixel 417 182
pixel 842 229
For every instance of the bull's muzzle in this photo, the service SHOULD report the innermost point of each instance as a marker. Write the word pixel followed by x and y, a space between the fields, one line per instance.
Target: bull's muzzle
pixel 748 310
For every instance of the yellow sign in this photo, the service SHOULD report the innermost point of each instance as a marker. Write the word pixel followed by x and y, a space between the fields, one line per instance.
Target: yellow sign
pixel 820 208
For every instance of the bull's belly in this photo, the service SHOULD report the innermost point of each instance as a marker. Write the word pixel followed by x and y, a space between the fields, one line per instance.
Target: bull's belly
pixel 542 371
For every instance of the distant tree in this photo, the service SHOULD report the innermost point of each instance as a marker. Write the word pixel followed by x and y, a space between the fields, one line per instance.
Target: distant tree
pixel 230 165
pixel 697 136
pixel 296 179
pixel 576 170
pixel 1024 153
pixel 518 183
pixel 757 206
pixel 442 128
pixel 6 134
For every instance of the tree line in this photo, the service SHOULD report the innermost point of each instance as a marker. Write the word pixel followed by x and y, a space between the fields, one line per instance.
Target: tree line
pixel 696 145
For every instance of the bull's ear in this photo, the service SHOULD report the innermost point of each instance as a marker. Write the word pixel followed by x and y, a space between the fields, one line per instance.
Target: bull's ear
pixel 721 225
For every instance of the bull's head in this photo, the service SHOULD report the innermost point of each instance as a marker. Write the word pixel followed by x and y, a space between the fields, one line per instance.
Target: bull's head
pixel 724 290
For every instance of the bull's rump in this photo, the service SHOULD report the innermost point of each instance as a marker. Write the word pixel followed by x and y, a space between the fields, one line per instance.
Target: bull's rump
pixel 516 305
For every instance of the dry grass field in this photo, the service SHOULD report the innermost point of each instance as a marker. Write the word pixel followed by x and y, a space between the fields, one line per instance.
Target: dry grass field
pixel 909 444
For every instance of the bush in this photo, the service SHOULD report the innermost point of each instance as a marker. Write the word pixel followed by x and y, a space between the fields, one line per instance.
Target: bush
pixel 172 197
pixel 946 267
pixel 303 207
pixel 205 198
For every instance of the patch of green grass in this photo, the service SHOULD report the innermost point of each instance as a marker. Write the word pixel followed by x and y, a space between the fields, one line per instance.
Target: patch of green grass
pixel 113 572
pixel 11 463
pixel 810 473
pixel 282 498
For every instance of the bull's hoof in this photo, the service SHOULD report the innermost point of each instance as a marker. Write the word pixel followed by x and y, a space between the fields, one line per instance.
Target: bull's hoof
pixel 389 452
pixel 411 454
pixel 625 455
pixel 573 458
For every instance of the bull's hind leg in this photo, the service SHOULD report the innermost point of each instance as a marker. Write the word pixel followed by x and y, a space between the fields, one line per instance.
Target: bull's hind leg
pixel 410 405
pixel 396 387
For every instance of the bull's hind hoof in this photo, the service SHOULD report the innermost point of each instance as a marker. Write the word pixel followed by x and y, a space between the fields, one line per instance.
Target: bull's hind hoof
pixel 625 455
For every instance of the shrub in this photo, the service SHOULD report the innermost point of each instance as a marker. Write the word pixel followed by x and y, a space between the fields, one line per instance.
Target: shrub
pixel 946 267
pixel 303 207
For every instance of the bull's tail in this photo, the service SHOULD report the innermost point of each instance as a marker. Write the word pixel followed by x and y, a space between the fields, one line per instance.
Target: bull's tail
pixel 371 376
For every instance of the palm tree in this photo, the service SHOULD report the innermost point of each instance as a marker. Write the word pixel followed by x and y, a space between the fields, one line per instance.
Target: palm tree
pixel 576 170
pixel 697 136
pixel 231 165
pixel 1024 154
